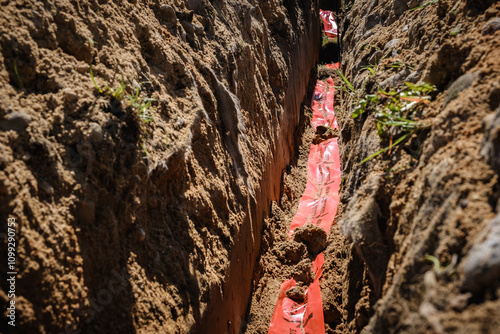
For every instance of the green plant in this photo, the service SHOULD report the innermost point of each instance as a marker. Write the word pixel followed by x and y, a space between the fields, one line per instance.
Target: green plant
pixel 394 115
pixel 93 80
pixel 18 77
pixel 428 3
pixel 347 83
pixel 142 106
pixel 436 265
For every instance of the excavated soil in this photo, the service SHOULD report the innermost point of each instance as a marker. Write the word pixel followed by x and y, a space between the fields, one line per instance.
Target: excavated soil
pixel 140 215
pixel 166 207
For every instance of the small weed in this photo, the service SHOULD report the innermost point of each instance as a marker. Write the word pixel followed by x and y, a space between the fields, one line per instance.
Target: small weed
pixel 93 80
pixel 428 3
pixel 395 114
pixel 142 106
pixel 91 41
pixel 18 77
pixel 371 68
pixel 351 90
pixel 436 265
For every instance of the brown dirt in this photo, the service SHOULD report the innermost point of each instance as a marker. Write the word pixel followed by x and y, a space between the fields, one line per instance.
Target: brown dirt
pixel 126 226
pixel 434 194
pixel 180 225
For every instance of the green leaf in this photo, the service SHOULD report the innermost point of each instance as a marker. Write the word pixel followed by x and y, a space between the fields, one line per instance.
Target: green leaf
pixel 400 139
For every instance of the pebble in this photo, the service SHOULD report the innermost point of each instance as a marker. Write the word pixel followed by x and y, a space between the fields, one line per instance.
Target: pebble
pixel 17 121
pixel 141 234
pixel 490 149
pixel 462 83
pixel 96 134
pixel 413 77
pixel 169 13
pixel 69 94
pixel 491 26
pixel 392 43
pixel 482 267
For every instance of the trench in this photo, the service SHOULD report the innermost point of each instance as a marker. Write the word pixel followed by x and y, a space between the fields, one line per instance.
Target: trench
pixel 229 311
pixel 292 175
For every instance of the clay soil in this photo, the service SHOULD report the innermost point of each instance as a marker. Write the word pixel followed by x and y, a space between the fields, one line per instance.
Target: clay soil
pixel 165 208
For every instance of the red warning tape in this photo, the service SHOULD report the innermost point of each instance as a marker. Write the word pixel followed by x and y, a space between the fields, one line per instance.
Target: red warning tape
pixel 329 23
pixel 317 206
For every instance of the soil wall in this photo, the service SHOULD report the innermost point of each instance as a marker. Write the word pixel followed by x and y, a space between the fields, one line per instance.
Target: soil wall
pixel 140 215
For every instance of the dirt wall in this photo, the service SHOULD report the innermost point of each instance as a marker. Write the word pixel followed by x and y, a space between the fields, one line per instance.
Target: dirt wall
pixel 139 198
pixel 434 196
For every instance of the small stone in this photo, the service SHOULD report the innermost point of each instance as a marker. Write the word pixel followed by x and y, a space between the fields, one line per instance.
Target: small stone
pixel 96 134
pixel 198 29
pixel 196 5
pixel 413 77
pixel 413 3
pixel 392 43
pixel 405 29
pixel 490 149
pixel 462 83
pixel 141 234
pixel 179 123
pixel 17 121
pixel 169 13
pixel 482 267
pixel 47 188
pixel 69 94
pixel 459 302
pixel 491 26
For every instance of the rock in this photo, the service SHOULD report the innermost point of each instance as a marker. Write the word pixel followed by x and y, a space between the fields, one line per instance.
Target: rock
pixel 314 237
pixel 413 3
pixel 459 302
pixel 168 13
pixel 491 26
pixel 490 149
pixel 392 43
pixel 413 77
pixel 395 79
pixel 141 234
pixel 398 7
pixel 462 83
pixel 482 267
pixel 96 134
pixel 188 27
pixel 375 58
pixel 47 188
pixel 198 29
pixel 17 121
pixel 69 94
pixel 372 20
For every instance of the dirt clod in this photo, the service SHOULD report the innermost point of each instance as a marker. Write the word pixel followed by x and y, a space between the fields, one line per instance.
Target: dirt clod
pixel 313 237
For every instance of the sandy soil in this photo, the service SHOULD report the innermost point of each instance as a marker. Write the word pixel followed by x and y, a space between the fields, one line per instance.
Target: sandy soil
pixel 140 216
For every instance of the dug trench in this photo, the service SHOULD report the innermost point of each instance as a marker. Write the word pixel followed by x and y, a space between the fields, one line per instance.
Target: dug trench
pixel 154 194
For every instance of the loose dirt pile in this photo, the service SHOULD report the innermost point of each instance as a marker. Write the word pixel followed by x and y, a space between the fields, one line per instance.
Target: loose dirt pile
pixel 140 198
